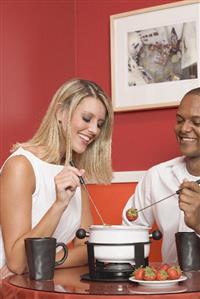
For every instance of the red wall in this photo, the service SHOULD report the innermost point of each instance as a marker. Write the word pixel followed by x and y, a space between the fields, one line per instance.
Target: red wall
pixel 37 55
pixel 43 43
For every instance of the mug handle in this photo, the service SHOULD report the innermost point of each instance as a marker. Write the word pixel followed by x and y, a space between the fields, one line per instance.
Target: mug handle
pixel 65 249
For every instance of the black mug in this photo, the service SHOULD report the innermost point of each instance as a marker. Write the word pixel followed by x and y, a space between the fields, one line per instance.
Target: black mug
pixel 41 254
pixel 188 250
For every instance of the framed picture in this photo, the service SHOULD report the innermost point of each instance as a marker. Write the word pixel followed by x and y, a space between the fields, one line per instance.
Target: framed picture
pixel 155 55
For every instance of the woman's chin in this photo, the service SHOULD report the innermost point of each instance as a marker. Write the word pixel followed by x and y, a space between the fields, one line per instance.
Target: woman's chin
pixel 80 150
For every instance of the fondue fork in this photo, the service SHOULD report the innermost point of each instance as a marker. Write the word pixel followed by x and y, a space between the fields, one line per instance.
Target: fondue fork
pixel 88 193
pixel 177 192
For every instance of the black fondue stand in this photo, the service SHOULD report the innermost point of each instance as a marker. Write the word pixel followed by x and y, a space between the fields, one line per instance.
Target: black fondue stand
pixel 100 271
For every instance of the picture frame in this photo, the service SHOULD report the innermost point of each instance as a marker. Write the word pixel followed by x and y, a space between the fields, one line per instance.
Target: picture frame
pixel 155 55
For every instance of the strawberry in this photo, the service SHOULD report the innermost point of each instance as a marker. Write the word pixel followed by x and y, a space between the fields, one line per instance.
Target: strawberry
pixel 178 269
pixel 174 272
pixel 150 273
pixel 162 275
pixel 139 273
pixel 164 266
pixel 131 214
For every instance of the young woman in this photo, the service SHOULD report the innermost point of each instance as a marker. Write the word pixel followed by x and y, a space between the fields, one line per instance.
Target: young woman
pixel 41 194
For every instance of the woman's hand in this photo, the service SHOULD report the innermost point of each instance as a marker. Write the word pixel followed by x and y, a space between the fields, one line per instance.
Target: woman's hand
pixel 189 202
pixel 66 183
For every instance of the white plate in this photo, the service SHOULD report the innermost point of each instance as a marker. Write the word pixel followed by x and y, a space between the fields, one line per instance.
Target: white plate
pixel 158 283
pixel 154 290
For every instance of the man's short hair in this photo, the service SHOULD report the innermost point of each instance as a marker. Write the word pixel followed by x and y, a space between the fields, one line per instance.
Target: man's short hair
pixel 195 91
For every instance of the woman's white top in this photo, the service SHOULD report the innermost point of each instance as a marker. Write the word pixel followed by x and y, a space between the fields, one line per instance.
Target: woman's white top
pixel 43 198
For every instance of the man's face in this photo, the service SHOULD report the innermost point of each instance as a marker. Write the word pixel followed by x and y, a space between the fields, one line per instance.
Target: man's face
pixel 187 127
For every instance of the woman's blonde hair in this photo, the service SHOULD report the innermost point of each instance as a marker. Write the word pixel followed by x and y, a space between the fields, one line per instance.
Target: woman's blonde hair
pixel 49 137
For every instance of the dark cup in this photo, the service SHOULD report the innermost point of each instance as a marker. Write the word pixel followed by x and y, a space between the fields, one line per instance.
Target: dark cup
pixel 41 254
pixel 188 250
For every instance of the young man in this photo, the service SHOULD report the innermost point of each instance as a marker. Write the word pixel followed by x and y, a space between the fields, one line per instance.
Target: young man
pixel 182 211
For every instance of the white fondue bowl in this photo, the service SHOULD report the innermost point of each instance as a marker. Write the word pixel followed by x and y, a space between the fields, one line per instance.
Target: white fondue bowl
pixel 118 234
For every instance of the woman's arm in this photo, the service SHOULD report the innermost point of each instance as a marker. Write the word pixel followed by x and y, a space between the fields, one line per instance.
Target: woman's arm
pixel 17 187
pixel 4 272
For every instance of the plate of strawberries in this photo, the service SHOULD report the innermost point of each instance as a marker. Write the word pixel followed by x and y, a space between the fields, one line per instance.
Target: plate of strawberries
pixel 162 276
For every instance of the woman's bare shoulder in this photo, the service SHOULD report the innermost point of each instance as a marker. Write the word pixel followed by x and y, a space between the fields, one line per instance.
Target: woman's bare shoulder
pixel 16 164
pixel 17 176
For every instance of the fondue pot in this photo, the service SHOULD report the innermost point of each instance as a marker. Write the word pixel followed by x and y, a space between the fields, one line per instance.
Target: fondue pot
pixel 117 243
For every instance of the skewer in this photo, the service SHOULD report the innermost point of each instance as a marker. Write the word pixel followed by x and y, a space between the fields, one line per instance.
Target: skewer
pixel 177 192
pixel 84 186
